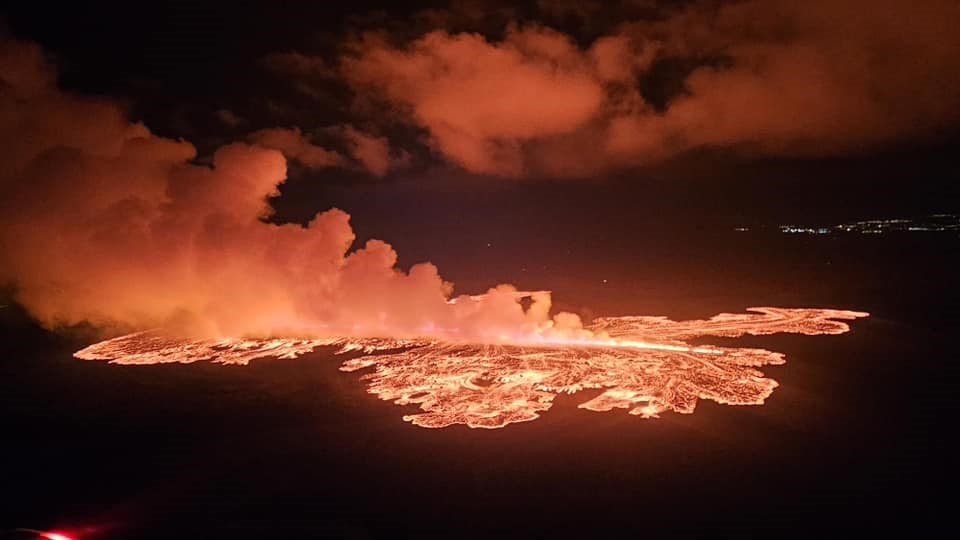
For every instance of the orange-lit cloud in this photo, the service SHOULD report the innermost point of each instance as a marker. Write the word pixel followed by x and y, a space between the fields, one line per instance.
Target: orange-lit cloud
pixel 229 118
pixel 481 101
pixel 809 79
pixel 373 152
pixel 786 78
pixel 292 143
pixel 369 152
pixel 106 223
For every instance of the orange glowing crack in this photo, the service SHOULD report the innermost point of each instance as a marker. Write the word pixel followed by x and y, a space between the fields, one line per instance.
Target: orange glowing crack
pixel 643 364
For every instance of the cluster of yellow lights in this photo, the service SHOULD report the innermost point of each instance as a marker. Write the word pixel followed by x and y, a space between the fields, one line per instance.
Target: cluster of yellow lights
pixel 643 364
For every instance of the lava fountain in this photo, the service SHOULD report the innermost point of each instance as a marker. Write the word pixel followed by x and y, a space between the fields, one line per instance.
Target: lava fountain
pixel 644 364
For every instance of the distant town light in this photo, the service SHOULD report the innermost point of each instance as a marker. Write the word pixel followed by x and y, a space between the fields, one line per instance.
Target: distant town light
pixel 932 223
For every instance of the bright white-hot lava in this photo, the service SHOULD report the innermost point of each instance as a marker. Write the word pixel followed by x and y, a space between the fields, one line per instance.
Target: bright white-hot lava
pixel 643 364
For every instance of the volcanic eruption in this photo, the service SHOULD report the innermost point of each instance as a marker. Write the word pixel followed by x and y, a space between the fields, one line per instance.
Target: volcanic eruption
pixel 642 363
pixel 108 224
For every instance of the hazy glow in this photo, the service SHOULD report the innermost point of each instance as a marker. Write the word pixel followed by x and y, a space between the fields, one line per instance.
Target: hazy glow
pixel 48 535
pixel 644 364
pixel 797 78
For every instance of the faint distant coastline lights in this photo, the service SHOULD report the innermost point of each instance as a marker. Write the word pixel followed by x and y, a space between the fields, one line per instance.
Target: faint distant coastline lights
pixel 949 223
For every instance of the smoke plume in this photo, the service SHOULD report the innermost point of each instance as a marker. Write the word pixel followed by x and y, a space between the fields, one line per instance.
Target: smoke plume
pixel 776 78
pixel 292 143
pixel 106 223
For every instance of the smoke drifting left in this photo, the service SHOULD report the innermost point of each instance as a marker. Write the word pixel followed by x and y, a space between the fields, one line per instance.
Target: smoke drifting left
pixel 105 223
pixel 769 78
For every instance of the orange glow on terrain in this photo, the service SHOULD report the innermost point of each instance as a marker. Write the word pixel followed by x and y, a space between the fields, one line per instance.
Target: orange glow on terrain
pixel 643 364
pixel 48 535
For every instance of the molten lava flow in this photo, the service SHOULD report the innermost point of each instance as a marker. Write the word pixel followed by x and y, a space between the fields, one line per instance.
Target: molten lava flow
pixel 644 364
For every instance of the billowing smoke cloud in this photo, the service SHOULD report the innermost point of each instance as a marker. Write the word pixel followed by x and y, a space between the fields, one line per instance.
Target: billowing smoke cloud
pixel 481 101
pixel 295 146
pixel 373 152
pixel 106 223
pixel 768 77
pixel 370 152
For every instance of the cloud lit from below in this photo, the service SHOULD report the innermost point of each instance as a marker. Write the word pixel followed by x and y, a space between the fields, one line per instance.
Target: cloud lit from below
pixel 107 224
pixel 766 78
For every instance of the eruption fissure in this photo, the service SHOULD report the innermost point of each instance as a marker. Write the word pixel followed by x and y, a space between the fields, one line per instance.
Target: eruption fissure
pixel 495 384
pixel 104 223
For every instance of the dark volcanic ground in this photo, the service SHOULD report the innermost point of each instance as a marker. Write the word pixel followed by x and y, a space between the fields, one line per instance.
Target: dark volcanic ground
pixel 854 440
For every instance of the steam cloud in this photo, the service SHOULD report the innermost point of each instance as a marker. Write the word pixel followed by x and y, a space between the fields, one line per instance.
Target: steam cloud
pixel 292 143
pixel 772 78
pixel 106 223
pixel 372 153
